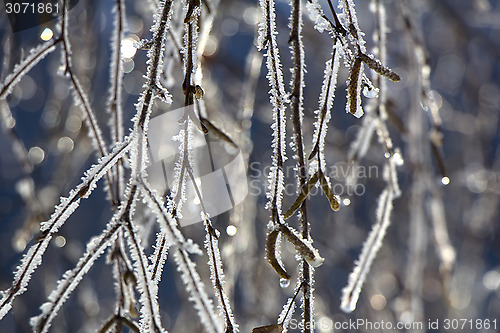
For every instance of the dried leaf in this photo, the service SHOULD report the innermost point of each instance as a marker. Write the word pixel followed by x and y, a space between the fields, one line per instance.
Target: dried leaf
pixel 129 278
pixel 198 92
pixel 304 192
pixel 211 127
pixel 303 247
pixel 332 198
pixel 377 66
pixel 276 328
pixel 271 254
pixel 353 85
pixel 314 151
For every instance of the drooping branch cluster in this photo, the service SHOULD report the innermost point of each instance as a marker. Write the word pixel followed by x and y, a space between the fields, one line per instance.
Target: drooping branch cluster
pixel 132 269
pixel 348 43
pixel 174 74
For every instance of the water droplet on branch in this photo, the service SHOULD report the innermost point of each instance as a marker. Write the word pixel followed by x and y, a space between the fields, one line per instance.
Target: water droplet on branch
pixel 284 283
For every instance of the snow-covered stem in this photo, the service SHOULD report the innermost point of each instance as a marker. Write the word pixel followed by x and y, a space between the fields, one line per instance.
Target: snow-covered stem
pixel 115 96
pixel 355 32
pixel 81 98
pixel 296 100
pixel 211 243
pixel 72 278
pixel 150 310
pixel 326 100
pixel 21 69
pixel 215 263
pixel 33 257
pixel 350 293
pixel 152 87
pixel 425 195
pixel 297 87
pixel 115 108
pixel 150 315
pixel 116 256
pixel 196 288
pixel 375 121
pixel 217 276
pixel 159 257
pixel 278 98
pixel 166 221
pixel 289 308
pixel 188 62
pixel 8 121
pixel 166 217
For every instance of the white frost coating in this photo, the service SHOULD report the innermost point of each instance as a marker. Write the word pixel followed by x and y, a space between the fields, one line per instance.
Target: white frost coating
pixel 390 172
pixel 315 259
pixel 35 55
pixel 350 294
pixel 169 230
pixel 151 89
pixel 371 123
pixel 310 297
pixel 84 189
pixel 166 221
pixel 275 185
pixel 278 99
pixel 194 44
pixel 114 106
pixel 6 306
pixel 71 278
pixel 158 257
pixel 150 310
pixel 263 28
pixel 33 258
pixel 290 308
pixel 178 188
pixel 196 289
pixel 326 99
pixel 351 20
pixel 217 276
pixel 315 12
pixel 139 157
pixel 159 31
